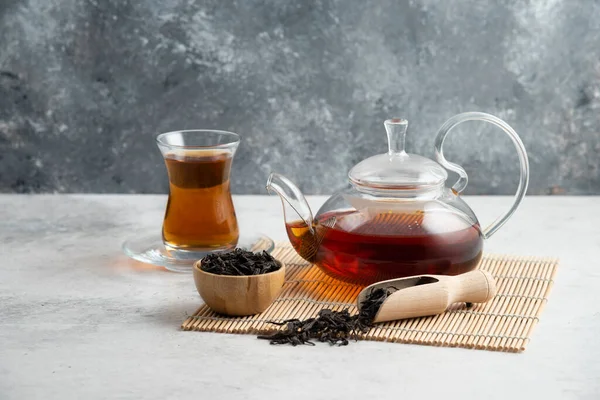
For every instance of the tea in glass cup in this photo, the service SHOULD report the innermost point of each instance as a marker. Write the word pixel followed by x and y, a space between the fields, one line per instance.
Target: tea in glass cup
pixel 200 215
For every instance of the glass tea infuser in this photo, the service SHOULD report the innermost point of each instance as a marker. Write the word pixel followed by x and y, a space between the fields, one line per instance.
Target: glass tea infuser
pixel 395 217
pixel 200 217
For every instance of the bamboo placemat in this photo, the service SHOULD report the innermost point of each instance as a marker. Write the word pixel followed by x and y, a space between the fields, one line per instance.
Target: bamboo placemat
pixel 505 323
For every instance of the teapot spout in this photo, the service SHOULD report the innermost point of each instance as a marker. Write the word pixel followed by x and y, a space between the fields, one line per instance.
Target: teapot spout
pixel 295 206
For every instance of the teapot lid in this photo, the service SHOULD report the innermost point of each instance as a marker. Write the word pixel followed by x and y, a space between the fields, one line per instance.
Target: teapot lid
pixel 397 169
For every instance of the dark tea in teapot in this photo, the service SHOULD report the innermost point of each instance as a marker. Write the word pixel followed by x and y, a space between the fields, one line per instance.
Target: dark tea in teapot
pixel 363 249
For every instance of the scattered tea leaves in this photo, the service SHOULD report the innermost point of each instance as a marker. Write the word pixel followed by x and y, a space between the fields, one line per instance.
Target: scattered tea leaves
pixel 334 327
pixel 239 262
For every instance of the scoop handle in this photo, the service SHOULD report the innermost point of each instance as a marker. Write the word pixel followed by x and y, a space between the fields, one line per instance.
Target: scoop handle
pixel 472 287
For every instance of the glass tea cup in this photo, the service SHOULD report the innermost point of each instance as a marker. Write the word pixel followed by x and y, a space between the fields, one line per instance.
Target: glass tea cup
pixel 200 215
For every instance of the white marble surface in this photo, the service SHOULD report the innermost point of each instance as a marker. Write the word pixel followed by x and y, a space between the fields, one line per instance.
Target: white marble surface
pixel 80 320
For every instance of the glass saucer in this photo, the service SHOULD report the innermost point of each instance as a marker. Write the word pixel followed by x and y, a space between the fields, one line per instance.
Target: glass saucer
pixel 151 250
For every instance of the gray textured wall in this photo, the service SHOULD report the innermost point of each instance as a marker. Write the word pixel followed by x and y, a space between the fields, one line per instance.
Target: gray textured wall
pixel 85 86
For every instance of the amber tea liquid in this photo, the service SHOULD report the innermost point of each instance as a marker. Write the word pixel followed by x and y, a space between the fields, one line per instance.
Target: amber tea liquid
pixel 389 245
pixel 200 212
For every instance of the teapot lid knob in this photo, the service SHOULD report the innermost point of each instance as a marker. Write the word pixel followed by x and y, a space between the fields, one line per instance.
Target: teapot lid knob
pixel 396 134
pixel 397 170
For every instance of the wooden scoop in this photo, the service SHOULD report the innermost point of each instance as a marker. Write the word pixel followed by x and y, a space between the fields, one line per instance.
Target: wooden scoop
pixel 424 295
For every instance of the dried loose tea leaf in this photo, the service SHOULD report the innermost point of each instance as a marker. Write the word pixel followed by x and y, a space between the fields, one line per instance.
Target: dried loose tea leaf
pixel 372 302
pixel 334 327
pixel 239 262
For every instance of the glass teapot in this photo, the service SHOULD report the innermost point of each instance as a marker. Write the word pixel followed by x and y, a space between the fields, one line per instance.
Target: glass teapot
pixel 395 217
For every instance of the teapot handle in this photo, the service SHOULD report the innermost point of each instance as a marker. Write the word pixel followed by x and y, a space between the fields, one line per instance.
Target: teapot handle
pixel 460 185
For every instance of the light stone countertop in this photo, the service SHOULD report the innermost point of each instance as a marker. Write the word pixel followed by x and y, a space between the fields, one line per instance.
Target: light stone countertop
pixel 78 319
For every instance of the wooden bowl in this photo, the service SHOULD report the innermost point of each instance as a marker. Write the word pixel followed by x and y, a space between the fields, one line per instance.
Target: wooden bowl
pixel 238 295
